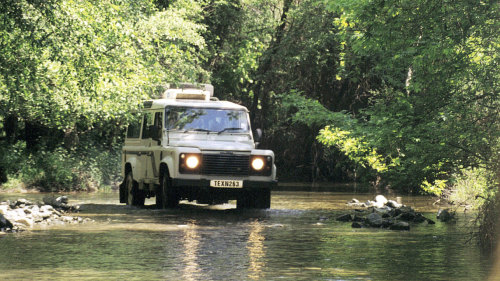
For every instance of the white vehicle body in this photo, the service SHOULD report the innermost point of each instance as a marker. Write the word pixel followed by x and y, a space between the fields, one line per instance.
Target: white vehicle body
pixel 190 146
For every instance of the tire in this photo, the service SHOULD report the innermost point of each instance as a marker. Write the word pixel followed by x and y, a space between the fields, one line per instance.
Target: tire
pixel 263 198
pixel 243 202
pixel 255 199
pixel 134 196
pixel 166 195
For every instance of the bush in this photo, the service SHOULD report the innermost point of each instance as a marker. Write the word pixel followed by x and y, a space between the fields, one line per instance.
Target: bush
pixel 477 189
pixel 470 188
pixel 13 184
pixel 59 169
pixel 487 218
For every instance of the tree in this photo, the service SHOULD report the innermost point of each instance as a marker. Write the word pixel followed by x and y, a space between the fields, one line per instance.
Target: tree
pixel 436 108
pixel 77 70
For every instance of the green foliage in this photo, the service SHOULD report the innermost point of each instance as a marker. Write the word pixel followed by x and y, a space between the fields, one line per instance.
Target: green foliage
pixel 238 34
pixel 355 148
pixel 68 63
pixel 487 219
pixel 472 187
pixel 310 112
pixel 50 171
pixel 299 119
pixel 172 45
pixel 431 109
pixel 72 61
pixel 402 90
pixel 13 184
pixel 60 170
pixel 72 73
pixel 435 188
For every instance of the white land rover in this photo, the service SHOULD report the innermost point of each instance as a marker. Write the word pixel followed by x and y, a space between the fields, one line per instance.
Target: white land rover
pixel 190 146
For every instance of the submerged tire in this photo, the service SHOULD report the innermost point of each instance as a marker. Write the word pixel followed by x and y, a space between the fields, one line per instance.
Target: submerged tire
pixel 263 198
pixel 255 199
pixel 134 196
pixel 166 194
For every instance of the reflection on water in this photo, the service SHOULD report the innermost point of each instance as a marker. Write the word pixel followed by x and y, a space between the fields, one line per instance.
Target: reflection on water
pixel 256 253
pixel 191 242
pixel 298 239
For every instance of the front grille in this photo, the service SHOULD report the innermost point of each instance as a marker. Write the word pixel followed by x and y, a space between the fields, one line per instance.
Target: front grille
pixel 225 164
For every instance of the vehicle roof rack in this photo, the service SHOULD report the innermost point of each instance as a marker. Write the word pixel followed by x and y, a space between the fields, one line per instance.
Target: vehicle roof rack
pixel 189 91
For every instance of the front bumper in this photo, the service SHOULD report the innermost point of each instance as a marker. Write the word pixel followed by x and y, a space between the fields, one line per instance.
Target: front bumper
pixel 204 183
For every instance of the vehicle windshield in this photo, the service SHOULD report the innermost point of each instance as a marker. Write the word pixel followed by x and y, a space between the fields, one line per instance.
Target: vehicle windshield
pixel 206 120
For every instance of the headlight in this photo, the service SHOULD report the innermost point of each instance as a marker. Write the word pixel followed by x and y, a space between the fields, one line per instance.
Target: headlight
pixel 192 162
pixel 189 163
pixel 261 165
pixel 257 164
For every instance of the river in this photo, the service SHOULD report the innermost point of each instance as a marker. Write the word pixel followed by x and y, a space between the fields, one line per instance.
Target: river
pixel 297 239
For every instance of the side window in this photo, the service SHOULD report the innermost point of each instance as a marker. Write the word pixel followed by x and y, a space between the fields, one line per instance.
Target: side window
pixel 146 122
pixel 158 120
pixel 134 129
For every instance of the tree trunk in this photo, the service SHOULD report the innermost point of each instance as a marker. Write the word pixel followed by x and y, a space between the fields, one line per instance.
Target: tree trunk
pixel 10 128
pixel 260 90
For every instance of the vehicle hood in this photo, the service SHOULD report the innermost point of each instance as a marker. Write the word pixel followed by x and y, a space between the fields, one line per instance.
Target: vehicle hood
pixel 216 145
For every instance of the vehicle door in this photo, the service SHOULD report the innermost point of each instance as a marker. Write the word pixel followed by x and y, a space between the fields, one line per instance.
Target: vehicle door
pixel 151 142
pixel 132 144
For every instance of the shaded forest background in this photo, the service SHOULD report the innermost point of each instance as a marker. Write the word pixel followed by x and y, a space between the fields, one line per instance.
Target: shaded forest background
pixel 399 95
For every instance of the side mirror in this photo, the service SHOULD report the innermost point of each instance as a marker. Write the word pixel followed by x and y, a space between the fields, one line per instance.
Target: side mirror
pixel 257 136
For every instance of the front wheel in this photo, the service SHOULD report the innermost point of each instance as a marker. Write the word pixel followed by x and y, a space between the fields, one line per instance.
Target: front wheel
pixel 135 197
pixel 166 194
pixel 255 199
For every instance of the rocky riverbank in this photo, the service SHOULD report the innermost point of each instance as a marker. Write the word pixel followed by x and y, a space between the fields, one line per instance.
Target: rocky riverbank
pixel 22 214
pixel 384 213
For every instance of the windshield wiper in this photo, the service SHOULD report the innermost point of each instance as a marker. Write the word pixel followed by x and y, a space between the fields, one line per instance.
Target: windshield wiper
pixel 228 129
pixel 198 130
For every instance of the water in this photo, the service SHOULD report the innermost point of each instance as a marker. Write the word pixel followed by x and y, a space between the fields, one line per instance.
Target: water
pixel 298 239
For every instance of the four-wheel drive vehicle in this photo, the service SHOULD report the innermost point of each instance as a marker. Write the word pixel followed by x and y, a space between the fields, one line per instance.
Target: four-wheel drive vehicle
pixel 190 146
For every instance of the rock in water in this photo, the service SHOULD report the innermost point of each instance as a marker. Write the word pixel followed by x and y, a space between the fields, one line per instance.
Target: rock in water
pixel 393 204
pixel 356 225
pixel 62 199
pixel 374 220
pixel 355 203
pixel 4 223
pixel 4 209
pixel 445 215
pixel 400 225
pixel 50 200
pixel 22 202
pixel 358 218
pixel 380 199
pixel 22 214
pixel 345 218
pixel 46 208
pixel 25 221
pixel 419 218
pixel 387 223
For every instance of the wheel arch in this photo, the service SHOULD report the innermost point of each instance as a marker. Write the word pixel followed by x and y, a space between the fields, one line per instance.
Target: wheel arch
pixel 164 169
pixel 167 164
pixel 130 166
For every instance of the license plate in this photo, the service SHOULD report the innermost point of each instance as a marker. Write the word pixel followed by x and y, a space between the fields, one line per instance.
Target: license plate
pixel 226 184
